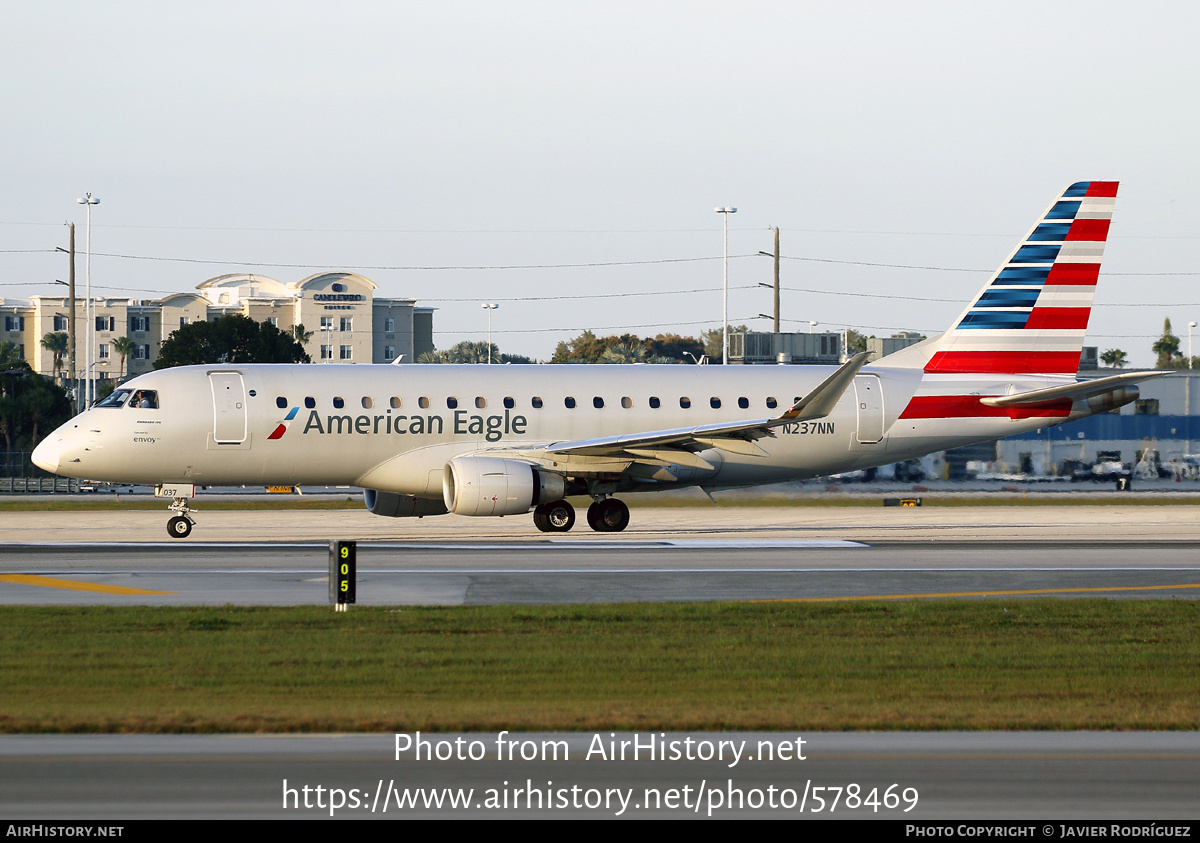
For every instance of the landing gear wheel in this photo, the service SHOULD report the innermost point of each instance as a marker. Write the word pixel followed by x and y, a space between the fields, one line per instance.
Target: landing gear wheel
pixel 179 527
pixel 557 517
pixel 608 516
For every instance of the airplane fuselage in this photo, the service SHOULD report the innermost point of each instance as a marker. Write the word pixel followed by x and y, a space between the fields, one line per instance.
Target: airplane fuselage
pixel 395 427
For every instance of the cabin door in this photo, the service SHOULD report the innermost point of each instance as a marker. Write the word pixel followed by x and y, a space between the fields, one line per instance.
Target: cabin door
pixel 869 392
pixel 229 407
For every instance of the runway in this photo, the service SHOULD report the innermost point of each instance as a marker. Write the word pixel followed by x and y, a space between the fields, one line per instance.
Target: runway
pixel 548 571
pixel 1014 776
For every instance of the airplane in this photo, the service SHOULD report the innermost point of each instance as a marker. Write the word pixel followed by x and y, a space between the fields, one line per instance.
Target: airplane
pixel 475 440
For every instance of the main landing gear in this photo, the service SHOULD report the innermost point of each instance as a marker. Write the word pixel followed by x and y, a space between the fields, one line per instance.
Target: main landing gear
pixel 180 526
pixel 607 515
pixel 557 517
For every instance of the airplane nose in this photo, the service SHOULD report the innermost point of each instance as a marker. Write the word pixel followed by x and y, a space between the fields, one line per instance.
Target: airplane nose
pixel 48 453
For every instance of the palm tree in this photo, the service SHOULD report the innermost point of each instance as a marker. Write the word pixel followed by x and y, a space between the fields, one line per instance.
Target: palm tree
pixel 1114 358
pixel 57 343
pixel 123 346
pixel 1167 349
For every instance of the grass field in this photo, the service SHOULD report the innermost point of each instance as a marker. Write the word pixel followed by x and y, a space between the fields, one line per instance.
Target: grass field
pixel 1020 664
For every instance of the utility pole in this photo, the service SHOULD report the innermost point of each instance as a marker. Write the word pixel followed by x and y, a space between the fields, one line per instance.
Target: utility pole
pixel 776 256
pixel 777 279
pixel 71 366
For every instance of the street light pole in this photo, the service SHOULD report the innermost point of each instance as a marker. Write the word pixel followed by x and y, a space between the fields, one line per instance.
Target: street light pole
pixel 89 391
pixel 725 289
pixel 1187 393
pixel 489 307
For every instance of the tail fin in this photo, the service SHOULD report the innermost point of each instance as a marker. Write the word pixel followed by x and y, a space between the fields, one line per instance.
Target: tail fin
pixel 1032 315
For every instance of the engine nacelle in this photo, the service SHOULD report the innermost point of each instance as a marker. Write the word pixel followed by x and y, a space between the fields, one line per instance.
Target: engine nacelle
pixel 392 505
pixel 1106 401
pixel 496 486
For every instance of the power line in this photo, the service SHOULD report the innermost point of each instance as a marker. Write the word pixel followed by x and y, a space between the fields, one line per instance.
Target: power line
pixel 645 293
pixel 584 265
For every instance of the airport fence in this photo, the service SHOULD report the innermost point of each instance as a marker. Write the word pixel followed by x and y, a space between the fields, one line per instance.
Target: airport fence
pixel 18 474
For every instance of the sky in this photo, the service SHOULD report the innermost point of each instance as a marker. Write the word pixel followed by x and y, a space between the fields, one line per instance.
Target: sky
pixel 563 159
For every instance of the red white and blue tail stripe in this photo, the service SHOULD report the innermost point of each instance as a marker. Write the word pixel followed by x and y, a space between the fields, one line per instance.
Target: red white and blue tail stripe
pixel 1032 315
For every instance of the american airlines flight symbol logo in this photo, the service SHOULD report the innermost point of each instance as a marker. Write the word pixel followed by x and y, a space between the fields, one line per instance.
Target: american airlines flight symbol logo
pixel 283 425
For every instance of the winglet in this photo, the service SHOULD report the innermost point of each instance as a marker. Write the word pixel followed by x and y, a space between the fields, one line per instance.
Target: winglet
pixel 821 401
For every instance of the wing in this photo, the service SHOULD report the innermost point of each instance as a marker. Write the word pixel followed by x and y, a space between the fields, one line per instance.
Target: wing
pixel 679 445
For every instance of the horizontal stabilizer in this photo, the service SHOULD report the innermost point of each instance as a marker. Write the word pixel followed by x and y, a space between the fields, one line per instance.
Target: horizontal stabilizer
pixel 1079 390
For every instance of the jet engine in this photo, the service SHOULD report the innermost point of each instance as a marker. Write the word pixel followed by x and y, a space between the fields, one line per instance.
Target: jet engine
pixel 496 486
pixel 1113 399
pixel 393 505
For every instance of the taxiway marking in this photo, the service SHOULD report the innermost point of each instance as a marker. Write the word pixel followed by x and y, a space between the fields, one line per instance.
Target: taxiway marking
pixel 74 585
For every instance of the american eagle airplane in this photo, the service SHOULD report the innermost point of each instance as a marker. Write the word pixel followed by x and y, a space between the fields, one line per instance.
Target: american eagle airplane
pixel 504 440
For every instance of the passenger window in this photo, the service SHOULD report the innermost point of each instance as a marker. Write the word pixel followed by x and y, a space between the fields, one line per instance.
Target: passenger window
pixel 598 403
pixel 744 403
pixel 368 403
pixel 685 403
pixel 480 403
pixel 452 403
pixel 772 403
pixel 715 403
pixel 281 402
pixel 395 403
pixel 537 403
pixel 654 402
pixel 423 403
pixel 570 402
pixel 626 403
pixel 339 402
pixel 509 403
pixel 309 403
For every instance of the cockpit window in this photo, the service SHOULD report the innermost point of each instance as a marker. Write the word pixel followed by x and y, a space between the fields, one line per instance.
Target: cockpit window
pixel 144 399
pixel 116 399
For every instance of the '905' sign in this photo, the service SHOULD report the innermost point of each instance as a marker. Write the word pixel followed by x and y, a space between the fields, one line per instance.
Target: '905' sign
pixel 341 572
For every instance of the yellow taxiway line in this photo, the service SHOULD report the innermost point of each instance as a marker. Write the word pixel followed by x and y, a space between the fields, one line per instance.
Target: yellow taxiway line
pixel 74 585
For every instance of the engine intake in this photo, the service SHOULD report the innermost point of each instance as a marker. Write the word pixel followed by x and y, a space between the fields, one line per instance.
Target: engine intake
pixel 496 486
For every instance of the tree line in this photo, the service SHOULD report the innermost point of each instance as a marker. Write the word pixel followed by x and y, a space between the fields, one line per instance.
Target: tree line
pixel 236 338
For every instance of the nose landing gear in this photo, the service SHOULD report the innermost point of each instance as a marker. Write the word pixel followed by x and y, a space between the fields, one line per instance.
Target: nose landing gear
pixel 180 526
